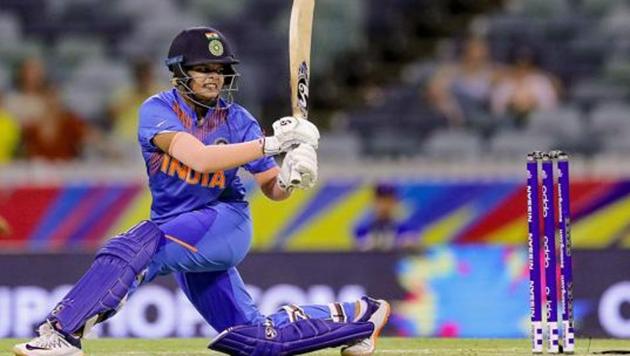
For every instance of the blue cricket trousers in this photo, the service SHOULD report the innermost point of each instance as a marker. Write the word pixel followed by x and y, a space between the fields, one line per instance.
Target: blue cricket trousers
pixel 202 249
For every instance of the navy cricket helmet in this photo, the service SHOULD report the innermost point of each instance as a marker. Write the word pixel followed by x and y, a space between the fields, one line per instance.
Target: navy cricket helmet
pixel 202 45
pixel 199 45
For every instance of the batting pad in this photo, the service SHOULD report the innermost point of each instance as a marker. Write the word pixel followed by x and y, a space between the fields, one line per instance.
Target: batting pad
pixel 108 280
pixel 292 339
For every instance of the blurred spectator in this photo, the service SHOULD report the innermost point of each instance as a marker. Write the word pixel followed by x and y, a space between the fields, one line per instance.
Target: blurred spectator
pixel 9 135
pixel 5 228
pixel 380 229
pixel 123 109
pixel 523 89
pixel 26 100
pixel 60 135
pixel 460 91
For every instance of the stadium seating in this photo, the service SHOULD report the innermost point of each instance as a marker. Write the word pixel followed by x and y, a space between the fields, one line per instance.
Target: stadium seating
pixel 88 43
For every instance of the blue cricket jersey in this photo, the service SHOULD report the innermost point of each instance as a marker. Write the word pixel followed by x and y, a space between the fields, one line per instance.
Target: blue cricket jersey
pixel 176 188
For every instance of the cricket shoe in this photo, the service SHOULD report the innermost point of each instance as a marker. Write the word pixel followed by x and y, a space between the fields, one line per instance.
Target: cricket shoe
pixel 377 313
pixel 50 342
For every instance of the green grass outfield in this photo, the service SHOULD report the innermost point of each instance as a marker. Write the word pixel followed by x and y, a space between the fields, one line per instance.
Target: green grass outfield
pixel 386 346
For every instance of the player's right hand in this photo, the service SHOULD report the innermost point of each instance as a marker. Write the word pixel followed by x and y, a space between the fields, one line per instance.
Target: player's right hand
pixel 289 132
pixel 299 168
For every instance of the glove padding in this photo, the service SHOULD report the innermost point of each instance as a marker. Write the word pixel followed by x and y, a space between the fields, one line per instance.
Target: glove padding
pixel 288 132
pixel 299 168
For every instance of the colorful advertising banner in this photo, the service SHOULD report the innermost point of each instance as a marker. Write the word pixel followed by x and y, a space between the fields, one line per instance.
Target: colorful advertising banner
pixel 332 216
pixel 473 291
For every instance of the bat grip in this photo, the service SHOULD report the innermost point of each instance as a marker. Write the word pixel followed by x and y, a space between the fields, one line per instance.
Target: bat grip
pixel 295 177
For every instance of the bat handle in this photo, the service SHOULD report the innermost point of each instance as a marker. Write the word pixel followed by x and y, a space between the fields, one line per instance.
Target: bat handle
pixel 295 177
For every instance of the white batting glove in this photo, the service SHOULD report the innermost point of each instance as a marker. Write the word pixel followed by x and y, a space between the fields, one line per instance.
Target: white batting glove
pixel 289 132
pixel 299 168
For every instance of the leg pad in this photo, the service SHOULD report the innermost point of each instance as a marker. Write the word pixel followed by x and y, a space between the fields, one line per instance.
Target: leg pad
pixel 107 282
pixel 292 339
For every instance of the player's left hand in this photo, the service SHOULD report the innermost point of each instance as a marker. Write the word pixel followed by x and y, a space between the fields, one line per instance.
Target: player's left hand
pixel 299 168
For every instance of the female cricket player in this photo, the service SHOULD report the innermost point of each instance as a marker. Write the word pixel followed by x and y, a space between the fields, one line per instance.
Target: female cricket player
pixel 194 138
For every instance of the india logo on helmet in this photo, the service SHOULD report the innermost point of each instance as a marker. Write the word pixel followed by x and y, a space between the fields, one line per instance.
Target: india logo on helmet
pixel 215 46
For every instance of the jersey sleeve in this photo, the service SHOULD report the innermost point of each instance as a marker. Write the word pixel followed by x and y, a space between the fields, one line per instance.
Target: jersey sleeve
pixel 253 132
pixel 156 117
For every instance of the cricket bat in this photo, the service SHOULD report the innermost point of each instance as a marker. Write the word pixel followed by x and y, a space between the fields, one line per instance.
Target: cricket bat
pixel 300 30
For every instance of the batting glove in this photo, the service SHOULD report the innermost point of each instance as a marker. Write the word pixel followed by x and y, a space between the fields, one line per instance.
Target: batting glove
pixel 299 168
pixel 289 132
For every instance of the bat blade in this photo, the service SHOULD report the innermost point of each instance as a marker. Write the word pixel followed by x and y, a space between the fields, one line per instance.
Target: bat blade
pixel 300 30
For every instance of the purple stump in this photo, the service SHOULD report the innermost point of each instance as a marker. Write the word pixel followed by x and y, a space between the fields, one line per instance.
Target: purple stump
pixel 566 265
pixel 534 255
pixel 549 248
